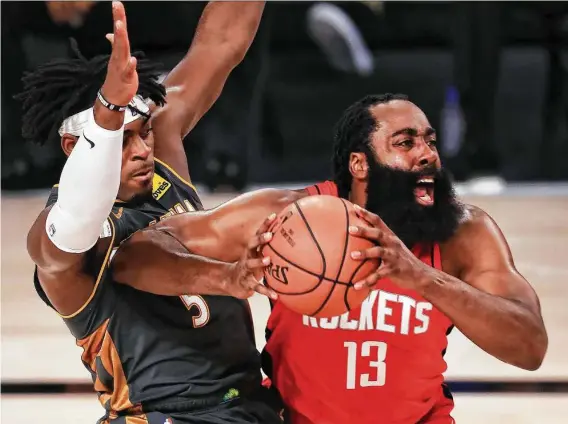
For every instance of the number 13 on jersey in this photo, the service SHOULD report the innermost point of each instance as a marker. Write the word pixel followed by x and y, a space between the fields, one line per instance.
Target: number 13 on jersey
pixel 377 353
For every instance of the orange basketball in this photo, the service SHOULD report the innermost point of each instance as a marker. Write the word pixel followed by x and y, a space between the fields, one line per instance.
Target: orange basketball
pixel 311 267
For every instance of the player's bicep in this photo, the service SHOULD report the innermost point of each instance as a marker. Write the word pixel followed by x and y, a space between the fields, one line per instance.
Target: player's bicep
pixel 490 266
pixel 70 285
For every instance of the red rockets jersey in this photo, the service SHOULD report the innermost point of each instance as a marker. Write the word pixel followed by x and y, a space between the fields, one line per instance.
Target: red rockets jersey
pixel 379 363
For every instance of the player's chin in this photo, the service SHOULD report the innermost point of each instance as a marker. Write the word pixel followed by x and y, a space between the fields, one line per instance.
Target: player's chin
pixel 141 184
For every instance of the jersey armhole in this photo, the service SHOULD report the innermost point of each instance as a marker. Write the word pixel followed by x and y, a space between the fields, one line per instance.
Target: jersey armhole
pixel 99 274
pixel 436 256
pixel 179 177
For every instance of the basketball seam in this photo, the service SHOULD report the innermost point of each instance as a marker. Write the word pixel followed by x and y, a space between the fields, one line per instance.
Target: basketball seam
pixel 313 274
pixel 312 235
pixel 321 276
pixel 345 299
pixel 342 258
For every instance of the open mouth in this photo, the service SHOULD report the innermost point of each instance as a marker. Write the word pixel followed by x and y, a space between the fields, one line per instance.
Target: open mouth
pixel 424 191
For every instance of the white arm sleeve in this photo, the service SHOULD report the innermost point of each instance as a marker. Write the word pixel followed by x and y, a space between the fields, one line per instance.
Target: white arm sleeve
pixel 87 189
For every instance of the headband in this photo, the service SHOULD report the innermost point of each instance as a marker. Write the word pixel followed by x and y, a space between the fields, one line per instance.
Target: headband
pixel 74 125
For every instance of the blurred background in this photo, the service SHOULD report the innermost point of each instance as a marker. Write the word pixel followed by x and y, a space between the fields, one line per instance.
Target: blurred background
pixel 491 76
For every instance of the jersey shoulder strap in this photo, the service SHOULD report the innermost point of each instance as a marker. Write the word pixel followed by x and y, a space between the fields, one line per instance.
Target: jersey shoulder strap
pixel 168 186
pixel 327 187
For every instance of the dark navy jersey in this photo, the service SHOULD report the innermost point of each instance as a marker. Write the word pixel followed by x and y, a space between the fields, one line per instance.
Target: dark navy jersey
pixel 149 352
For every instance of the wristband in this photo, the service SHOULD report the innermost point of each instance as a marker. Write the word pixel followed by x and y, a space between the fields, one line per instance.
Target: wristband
pixel 109 105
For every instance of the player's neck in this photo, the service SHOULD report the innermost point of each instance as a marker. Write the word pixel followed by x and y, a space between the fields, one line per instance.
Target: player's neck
pixel 358 195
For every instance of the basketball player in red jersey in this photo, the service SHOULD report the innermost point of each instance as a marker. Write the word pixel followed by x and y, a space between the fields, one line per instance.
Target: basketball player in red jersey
pixel 444 264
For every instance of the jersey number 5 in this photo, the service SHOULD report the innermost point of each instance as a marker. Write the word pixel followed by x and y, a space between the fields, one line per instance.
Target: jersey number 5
pixel 199 303
pixel 374 349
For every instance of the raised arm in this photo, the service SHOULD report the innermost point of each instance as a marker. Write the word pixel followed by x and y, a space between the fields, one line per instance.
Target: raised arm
pixel 201 252
pixel 65 236
pixel 224 34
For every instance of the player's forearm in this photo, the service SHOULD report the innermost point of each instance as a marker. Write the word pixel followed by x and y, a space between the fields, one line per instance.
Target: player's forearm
pixel 223 233
pixel 502 327
pixel 155 262
pixel 229 26
pixel 223 36
pixel 89 183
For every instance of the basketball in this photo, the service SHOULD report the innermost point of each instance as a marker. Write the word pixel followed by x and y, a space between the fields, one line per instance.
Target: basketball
pixel 311 267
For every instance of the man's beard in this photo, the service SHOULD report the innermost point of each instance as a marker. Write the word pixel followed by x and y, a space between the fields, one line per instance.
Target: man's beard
pixel 390 194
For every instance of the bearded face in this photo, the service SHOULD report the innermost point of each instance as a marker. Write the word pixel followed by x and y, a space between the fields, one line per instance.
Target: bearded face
pixel 418 206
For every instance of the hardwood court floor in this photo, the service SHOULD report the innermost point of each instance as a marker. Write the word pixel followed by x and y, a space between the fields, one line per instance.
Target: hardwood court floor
pixel 470 409
pixel 536 227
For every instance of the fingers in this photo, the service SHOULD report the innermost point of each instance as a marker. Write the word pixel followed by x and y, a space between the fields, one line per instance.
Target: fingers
pixel 263 235
pixel 265 291
pixel 120 43
pixel 130 68
pixel 259 240
pixel 370 233
pixel 265 226
pixel 256 263
pixel 376 235
pixel 375 252
pixel 372 279
pixel 373 219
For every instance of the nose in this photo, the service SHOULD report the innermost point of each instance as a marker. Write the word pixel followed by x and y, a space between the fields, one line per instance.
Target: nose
pixel 140 150
pixel 427 156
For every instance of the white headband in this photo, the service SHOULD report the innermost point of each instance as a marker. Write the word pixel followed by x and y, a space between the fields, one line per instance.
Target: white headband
pixel 75 124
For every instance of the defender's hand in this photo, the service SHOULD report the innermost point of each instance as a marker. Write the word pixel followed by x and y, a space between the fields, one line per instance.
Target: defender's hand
pixel 121 83
pixel 397 262
pixel 247 273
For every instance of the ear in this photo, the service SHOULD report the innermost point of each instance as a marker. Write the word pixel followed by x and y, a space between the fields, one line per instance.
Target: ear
pixel 68 141
pixel 358 166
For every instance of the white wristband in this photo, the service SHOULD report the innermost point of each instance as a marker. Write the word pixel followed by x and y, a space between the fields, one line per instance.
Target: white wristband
pixel 87 189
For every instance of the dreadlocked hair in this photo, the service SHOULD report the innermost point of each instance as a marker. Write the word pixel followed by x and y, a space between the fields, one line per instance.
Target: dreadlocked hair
pixel 63 87
pixel 352 134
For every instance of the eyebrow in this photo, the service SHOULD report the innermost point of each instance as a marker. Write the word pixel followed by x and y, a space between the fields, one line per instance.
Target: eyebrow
pixel 412 132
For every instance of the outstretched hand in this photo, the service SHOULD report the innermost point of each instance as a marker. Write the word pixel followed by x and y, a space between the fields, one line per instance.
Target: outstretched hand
pixel 121 83
pixel 397 262
pixel 248 272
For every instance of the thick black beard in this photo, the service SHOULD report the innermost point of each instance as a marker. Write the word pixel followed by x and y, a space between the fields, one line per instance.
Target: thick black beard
pixel 390 194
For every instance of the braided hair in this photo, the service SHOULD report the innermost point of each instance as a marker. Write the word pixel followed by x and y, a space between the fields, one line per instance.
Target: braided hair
pixel 63 87
pixel 353 134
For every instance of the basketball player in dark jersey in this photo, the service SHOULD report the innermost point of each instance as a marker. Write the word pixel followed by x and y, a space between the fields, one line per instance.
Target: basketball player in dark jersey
pixel 444 264
pixel 153 359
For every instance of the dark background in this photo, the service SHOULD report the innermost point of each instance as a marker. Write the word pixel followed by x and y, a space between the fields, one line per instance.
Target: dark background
pixel 276 115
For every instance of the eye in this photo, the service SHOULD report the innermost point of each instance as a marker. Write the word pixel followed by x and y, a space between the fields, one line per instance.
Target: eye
pixel 433 142
pixel 146 133
pixel 405 143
